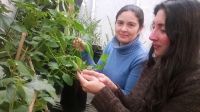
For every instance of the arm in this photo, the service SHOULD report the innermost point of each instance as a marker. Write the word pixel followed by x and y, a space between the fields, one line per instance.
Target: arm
pixel 86 57
pixel 106 101
pixel 109 101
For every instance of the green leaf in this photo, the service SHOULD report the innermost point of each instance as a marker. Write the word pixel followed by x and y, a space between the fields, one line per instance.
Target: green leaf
pixel 103 60
pixel 5 21
pixel 11 93
pixel 2 74
pixel 6 81
pixel 67 79
pixel 53 65
pixel 2 38
pixel 4 107
pixel 23 70
pixel 79 63
pixel 2 96
pixel 104 57
pixel 20 91
pixel 37 53
pixel 50 100
pixel 70 1
pixel 88 48
pixel 21 108
pixel 52 44
pixel 75 65
pixel 29 92
pixel 42 85
pixel 18 27
pixel 78 26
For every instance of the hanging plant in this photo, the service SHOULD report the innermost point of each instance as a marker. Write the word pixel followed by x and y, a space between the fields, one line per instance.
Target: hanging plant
pixel 36 52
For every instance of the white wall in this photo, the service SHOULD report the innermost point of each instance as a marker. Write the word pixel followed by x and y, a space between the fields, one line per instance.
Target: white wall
pixel 104 9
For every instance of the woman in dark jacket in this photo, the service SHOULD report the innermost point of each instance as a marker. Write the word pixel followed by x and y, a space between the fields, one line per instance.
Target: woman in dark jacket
pixel 171 80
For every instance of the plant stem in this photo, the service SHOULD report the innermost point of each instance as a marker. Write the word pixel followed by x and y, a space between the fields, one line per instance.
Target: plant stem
pixel 31 106
pixel 21 43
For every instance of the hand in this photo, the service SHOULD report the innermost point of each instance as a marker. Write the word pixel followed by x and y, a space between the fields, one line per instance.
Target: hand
pixel 78 43
pixel 90 83
pixel 102 78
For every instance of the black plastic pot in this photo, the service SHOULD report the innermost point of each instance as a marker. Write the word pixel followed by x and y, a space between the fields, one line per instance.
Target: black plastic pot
pixel 97 52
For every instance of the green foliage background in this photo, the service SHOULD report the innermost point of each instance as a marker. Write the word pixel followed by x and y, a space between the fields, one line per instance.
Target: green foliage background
pixel 51 25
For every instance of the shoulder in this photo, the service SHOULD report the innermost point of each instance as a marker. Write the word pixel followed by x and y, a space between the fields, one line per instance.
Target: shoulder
pixel 140 55
pixel 139 50
pixel 108 48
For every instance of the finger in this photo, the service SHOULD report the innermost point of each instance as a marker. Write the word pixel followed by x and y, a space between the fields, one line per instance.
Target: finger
pixel 82 79
pixel 84 89
pixel 89 77
pixel 91 72
pixel 104 80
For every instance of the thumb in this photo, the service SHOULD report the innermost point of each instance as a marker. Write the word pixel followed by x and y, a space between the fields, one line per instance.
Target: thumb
pixel 81 78
pixel 101 79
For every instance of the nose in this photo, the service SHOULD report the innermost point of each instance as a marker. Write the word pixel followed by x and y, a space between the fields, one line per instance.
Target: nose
pixel 153 35
pixel 124 28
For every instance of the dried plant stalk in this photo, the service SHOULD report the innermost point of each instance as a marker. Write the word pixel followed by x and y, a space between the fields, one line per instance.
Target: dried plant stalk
pixel 21 43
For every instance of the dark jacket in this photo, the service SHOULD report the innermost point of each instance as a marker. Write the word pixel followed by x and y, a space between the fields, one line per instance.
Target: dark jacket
pixel 184 98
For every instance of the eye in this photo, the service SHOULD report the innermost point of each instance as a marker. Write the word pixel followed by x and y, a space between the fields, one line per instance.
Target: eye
pixel 163 30
pixel 152 26
pixel 131 24
pixel 120 22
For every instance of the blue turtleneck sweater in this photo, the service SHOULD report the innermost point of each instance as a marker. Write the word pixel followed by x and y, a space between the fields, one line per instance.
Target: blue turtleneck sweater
pixel 124 63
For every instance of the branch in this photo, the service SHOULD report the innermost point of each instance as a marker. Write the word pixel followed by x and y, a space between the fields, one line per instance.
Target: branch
pixel 21 43
pixel 31 106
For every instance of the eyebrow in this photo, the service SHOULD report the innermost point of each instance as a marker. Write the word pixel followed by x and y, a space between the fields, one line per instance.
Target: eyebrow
pixel 128 21
pixel 160 25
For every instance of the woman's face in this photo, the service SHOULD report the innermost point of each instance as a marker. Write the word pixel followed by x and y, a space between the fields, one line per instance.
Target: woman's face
pixel 126 27
pixel 158 35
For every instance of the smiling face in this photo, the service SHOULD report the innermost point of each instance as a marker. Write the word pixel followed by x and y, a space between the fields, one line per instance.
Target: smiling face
pixel 127 27
pixel 158 35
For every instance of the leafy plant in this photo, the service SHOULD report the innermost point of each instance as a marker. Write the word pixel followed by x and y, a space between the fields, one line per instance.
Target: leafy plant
pixel 36 52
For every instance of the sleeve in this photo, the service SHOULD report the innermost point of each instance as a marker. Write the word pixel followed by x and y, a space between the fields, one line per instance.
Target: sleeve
pixel 135 71
pixel 86 57
pixel 108 101
pixel 89 60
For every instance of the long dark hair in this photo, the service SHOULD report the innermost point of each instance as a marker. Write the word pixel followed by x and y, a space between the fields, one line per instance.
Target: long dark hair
pixel 182 26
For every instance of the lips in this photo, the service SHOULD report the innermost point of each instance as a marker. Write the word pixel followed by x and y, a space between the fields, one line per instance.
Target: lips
pixel 123 35
pixel 156 46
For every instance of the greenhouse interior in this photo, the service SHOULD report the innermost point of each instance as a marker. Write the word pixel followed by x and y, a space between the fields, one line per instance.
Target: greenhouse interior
pixel 99 56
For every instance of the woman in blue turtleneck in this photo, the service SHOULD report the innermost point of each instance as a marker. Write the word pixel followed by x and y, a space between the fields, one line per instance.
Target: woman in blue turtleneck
pixel 124 63
pixel 126 55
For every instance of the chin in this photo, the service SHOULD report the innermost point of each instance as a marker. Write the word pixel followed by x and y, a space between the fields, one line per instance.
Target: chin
pixel 156 55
